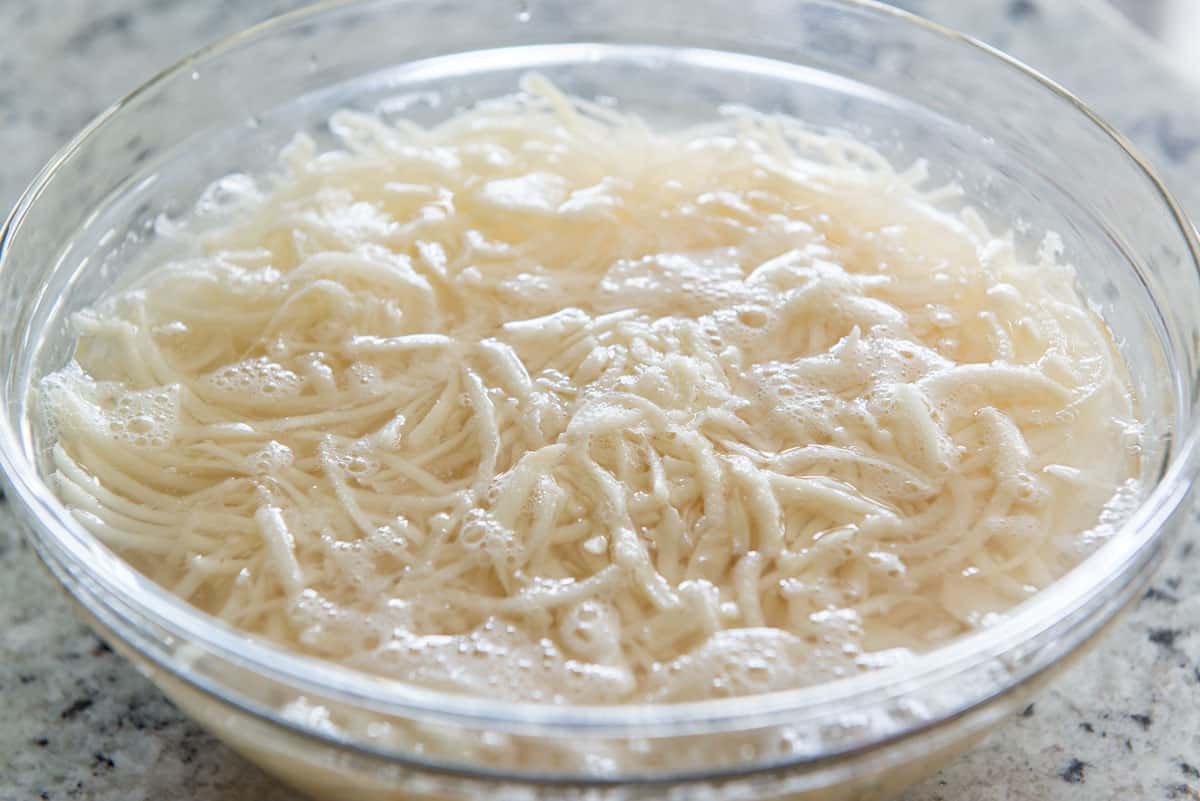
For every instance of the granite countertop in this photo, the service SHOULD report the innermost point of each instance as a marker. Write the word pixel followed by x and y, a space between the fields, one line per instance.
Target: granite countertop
pixel 76 721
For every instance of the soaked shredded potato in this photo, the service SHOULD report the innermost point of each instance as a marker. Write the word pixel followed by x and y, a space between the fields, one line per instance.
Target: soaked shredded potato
pixel 543 404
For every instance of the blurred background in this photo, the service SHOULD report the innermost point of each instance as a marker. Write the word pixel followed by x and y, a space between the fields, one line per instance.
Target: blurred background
pixel 1174 23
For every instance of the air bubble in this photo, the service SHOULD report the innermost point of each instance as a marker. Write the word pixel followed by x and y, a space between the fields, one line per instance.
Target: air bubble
pixel 255 381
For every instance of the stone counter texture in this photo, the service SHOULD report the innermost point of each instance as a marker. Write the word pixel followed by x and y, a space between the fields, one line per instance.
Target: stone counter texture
pixel 78 722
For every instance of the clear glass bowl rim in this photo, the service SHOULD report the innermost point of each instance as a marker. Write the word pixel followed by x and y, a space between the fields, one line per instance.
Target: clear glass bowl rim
pixel 968 655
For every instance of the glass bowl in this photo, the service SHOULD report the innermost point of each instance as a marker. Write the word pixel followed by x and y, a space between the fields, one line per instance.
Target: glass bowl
pixel 1025 152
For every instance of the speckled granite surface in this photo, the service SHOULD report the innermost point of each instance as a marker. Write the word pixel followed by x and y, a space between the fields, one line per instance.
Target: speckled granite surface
pixel 76 721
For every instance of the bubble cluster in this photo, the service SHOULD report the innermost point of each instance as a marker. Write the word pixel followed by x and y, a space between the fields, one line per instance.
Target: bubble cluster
pixel 270 459
pixel 745 662
pixel 499 659
pixel 143 418
pixel 258 380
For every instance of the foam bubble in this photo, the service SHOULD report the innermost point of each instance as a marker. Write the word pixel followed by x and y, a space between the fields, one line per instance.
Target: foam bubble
pixel 270 459
pixel 144 418
pixel 257 380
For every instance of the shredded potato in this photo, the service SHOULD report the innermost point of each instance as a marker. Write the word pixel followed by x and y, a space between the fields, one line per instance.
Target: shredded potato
pixel 543 404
